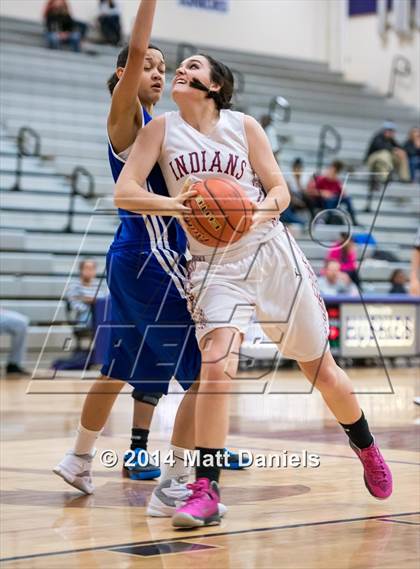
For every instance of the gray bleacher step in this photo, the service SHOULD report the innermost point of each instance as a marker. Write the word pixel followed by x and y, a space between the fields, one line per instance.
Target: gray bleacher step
pixel 38 311
pixel 12 239
pixel 35 166
pixel 46 263
pixel 32 287
pixel 65 242
pixel 56 221
pixel 79 76
pixel 94 125
pixel 23 200
pixel 34 183
pixel 55 105
pixel 37 336
pixel 315 251
pixel 299 100
pixel 277 66
pixel 20 263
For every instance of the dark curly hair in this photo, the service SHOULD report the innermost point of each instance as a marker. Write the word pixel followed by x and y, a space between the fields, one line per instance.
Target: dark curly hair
pixel 122 62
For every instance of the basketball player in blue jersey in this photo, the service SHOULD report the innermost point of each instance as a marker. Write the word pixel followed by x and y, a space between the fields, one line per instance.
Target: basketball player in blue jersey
pixel 152 334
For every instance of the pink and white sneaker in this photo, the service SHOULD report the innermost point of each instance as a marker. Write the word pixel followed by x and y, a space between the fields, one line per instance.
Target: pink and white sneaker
pixel 201 508
pixel 378 477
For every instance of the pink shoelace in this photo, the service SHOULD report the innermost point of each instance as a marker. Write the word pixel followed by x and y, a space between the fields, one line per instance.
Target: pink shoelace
pixel 375 463
pixel 198 490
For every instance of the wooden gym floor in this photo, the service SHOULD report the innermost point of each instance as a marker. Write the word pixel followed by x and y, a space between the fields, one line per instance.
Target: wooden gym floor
pixel 301 518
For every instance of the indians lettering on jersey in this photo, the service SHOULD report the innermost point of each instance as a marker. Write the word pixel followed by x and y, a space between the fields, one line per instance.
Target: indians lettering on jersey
pixel 207 161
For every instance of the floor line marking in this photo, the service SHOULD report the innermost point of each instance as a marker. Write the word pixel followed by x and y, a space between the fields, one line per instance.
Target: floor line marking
pixel 203 536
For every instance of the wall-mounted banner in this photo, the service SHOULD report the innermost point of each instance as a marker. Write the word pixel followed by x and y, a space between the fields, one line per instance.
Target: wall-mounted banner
pixel 360 7
pixel 217 5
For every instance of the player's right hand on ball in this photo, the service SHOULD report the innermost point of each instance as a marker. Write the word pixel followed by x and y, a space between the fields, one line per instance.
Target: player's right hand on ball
pixel 180 208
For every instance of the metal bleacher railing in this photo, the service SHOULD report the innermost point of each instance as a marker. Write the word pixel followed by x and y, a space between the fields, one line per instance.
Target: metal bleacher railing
pixel 22 150
pixel 78 173
pixel 401 66
pixel 324 145
pixel 280 105
pixel 28 137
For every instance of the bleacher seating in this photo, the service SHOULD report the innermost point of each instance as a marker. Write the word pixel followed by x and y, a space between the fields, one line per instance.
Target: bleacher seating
pixel 63 96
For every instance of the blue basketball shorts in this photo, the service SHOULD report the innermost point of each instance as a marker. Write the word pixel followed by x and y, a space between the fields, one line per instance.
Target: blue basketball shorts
pixel 152 335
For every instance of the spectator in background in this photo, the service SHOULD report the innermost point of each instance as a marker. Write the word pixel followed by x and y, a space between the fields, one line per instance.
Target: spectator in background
pixel 385 155
pixel 60 27
pixel 412 148
pixel 398 281
pixel 345 253
pixel 297 183
pixel 334 282
pixel 327 190
pixel 270 130
pixel 16 325
pixel 82 294
pixel 110 21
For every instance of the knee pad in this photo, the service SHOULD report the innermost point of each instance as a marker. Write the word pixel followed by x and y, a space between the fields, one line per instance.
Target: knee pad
pixel 150 398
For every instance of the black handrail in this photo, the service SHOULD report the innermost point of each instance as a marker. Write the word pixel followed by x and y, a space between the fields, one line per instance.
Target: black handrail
pixel 184 50
pixel 281 103
pixel 323 145
pixel 400 66
pixel 21 139
pixel 78 173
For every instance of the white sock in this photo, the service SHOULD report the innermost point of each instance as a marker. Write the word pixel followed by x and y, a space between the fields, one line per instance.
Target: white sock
pixel 85 440
pixel 178 469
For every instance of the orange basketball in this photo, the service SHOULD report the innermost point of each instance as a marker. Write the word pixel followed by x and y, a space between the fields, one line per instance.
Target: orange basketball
pixel 221 212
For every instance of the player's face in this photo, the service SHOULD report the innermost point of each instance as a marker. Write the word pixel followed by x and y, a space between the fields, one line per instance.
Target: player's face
pixel 195 67
pixel 152 80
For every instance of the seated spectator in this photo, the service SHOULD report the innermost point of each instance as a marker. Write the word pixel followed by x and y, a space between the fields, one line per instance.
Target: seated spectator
pixel 16 325
pixel 326 191
pixel 345 253
pixel 398 281
pixel 110 21
pixel 334 282
pixel 297 183
pixel 82 294
pixel 60 27
pixel 412 148
pixel 385 155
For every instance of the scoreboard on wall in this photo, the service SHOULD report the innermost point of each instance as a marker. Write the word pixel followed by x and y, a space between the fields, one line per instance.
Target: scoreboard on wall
pixel 387 325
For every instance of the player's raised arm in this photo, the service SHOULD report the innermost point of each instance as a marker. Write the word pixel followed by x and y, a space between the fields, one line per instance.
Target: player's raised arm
pixel 130 192
pixel 125 96
pixel 265 166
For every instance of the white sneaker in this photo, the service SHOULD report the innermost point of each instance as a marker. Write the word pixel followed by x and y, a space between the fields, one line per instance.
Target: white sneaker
pixel 76 470
pixel 170 495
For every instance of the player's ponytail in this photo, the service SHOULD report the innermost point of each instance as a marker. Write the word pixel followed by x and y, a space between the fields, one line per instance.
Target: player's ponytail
pixel 222 75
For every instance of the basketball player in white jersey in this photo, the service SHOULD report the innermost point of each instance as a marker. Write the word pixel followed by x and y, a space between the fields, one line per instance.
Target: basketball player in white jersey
pixel 264 271
pixel 135 87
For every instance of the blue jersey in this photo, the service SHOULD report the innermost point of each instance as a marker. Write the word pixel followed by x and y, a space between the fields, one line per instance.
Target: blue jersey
pixel 146 232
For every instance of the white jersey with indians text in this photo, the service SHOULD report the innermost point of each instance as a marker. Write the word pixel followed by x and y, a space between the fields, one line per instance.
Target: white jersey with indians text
pixel 223 153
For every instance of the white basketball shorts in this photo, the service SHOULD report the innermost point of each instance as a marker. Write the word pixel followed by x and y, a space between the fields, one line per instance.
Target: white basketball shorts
pixel 272 280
